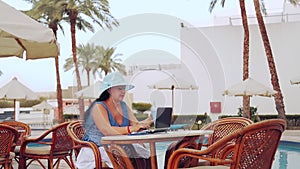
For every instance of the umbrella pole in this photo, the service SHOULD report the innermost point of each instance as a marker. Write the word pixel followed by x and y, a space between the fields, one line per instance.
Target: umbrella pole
pixel 15 110
pixel 172 88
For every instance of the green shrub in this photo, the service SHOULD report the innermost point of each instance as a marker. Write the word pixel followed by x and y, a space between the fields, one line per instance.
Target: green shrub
pixel 23 103
pixel 141 107
pixel 140 116
pixel 253 113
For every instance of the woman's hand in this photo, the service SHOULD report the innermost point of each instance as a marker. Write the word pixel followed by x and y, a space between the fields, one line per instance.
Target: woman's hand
pixel 139 126
pixel 148 121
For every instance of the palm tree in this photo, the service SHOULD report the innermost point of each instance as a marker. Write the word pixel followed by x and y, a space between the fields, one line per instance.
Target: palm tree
pixel 107 62
pixel 246 99
pixel 98 12
pixel 86 59
pixel 50 12
pixel 96 59
pixel 272 67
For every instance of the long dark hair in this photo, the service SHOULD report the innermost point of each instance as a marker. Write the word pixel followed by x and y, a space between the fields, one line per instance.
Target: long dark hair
pixel 104 96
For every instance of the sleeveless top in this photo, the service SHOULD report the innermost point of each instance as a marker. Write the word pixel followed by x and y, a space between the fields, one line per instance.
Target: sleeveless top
pixel 93 134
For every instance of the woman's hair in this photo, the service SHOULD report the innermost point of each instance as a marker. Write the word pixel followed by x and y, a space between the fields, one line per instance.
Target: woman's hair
pixel 104 96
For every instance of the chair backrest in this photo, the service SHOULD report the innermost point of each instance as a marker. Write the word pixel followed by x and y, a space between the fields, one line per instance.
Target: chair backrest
pixel 226 126
pixel 8 139
pixel 23 129
pixel 60 138
pixel 256 144
pixel 76 132
pixel 211 125
pixel 119 157
pixel 77 128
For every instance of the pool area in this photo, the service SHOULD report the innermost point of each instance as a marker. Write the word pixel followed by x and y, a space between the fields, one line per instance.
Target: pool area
pixel 287 155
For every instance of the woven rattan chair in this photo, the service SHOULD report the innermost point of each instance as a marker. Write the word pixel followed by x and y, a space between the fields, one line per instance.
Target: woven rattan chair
pixel 184 143
pixel 8 139
pixel 24 131
pixel 224 126
pixel 254 147
pixel 221 127
pixel 119 157
pixel 53 145
pixel 76 131
pixel 116 153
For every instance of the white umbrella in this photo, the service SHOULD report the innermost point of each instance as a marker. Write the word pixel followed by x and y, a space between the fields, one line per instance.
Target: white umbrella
pixel 71 110
pixel 172 84
pixel 45 107
pixel 250 87
pixel 14 90
pixel 19 33
pixel 42 106
pixel 90 92
pixel 295 80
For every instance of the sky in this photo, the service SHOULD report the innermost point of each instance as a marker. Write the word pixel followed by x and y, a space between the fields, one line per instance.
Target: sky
pixel 39 75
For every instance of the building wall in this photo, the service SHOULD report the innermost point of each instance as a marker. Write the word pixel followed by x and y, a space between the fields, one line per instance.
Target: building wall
pixel 215 55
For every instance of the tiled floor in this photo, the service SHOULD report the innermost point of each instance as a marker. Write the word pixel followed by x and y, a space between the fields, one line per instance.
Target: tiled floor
pixel 35 165
pixel 291 135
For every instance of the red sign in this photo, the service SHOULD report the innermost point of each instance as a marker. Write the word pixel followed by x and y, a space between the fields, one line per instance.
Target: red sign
pixel 215 107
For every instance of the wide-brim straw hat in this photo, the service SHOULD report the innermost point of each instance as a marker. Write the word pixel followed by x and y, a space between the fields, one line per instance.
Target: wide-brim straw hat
pixel 114 79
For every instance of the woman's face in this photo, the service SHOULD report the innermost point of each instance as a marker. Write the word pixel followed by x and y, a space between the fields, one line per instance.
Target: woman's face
pixel 118 92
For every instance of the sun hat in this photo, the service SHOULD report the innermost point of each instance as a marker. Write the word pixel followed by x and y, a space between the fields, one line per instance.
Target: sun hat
pixel 114 79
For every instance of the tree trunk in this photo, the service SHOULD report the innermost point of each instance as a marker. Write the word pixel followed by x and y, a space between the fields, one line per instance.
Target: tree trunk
pixel 246 99
pixel 59 93
pixel 274 78
pixel 73 17
pixel 88 76
pixel 54 28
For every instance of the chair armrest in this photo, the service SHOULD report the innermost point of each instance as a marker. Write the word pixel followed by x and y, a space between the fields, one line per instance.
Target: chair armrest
pixel 78 144
pixel 186 152
pixel 225 143
pixel 37 140
pixel 204 145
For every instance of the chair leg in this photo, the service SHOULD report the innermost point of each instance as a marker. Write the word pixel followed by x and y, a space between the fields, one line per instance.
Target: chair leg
pixel 50 163
pixel 22 163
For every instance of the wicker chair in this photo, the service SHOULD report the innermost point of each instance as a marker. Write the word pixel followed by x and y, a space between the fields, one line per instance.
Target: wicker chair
pixel 254 147
pixel 116 153
pixel 24 131
pixel 119 158
pixel 221 128
pixel 76 131
pixel 8 139
pixel 54 144
pixel 225 126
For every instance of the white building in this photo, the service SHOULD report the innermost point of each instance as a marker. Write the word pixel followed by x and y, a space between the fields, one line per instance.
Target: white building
pixel 161 46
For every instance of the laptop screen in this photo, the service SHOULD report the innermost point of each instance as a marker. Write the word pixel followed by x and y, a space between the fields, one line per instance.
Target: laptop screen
pixel 163 117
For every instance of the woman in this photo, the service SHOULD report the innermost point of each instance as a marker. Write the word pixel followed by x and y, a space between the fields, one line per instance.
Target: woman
pixel 109 115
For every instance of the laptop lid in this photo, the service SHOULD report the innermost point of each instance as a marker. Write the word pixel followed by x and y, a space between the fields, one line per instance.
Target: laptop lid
pixel 163 117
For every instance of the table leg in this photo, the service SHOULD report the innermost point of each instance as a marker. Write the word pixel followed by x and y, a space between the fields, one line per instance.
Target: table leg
pixel 153 155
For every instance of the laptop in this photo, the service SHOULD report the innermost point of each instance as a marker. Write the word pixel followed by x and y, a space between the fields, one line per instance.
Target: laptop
pixel 162 121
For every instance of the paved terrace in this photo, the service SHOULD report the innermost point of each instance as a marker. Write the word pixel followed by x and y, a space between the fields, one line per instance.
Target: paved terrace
pixel 288 135
pixel 291 135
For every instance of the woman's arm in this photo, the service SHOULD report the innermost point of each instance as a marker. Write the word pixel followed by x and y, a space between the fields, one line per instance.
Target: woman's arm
pixel 134 121
pixel 101 120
